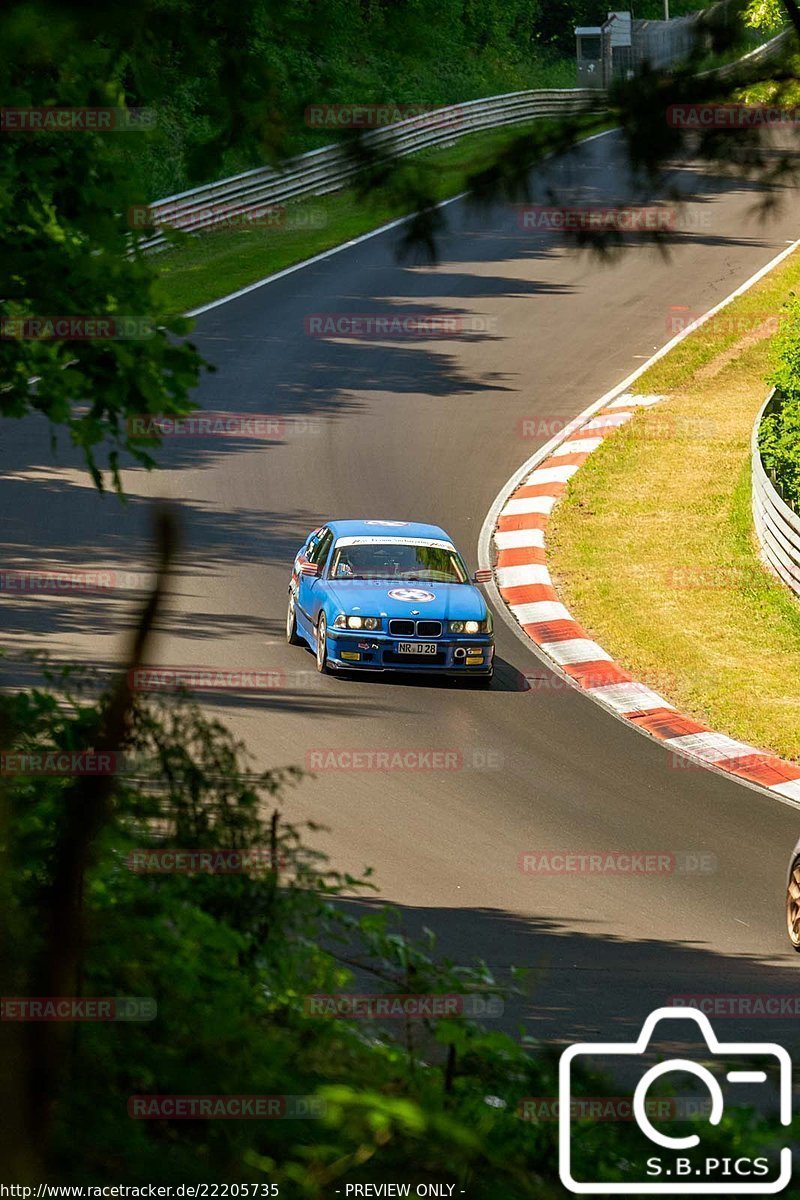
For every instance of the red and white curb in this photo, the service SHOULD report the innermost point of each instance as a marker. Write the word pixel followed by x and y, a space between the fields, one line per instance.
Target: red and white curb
pixel 525 585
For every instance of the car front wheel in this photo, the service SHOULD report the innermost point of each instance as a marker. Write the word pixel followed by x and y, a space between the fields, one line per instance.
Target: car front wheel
pixel 322 645
pixel 292 635
pixel 793 905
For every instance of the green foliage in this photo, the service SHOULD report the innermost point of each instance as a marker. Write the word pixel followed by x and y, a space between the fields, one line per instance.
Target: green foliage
pixel 418 52
pixel 230 960
pixel 64 245
pixel 229 86
pixel 779 435
pixel 766 15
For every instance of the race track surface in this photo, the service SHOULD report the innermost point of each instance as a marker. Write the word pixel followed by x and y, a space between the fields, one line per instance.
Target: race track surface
pixel 429 430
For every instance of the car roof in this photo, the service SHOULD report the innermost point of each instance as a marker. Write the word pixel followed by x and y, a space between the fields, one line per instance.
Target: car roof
pixel 388 529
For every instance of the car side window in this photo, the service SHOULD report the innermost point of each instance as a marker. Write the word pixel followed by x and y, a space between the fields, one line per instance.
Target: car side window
pixel 314 546
pixel 319 552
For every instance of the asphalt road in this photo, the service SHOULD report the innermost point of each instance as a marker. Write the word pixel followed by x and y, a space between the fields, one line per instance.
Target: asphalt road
pixel 429 429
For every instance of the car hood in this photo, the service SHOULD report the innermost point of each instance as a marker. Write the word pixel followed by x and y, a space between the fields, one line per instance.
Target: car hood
pixel 439 601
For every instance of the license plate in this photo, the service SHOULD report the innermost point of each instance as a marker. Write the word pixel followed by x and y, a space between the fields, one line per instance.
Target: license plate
pixel 416 647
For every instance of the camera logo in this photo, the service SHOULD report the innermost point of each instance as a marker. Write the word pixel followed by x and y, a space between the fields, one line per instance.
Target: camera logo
pixel 682 1167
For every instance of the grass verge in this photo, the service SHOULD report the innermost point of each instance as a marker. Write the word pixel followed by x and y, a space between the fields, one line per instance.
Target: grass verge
pixel 213 264
pixel 653 547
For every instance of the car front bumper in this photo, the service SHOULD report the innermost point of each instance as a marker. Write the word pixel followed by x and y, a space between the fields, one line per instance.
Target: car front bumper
pixel 455 654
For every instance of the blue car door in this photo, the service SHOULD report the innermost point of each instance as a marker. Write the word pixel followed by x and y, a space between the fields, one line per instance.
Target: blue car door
pixel 311 589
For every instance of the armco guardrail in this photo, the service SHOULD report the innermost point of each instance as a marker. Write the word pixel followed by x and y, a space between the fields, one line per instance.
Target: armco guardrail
pixel 777 525
pixel 326 170
pixel 771 49
pixel 765 53
pixel 264 189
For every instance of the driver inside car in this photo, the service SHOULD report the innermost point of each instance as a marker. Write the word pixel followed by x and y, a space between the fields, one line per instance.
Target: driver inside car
pixel 343 567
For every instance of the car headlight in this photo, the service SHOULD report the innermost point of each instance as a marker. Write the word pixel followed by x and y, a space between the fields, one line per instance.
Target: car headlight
pixel 343 622
pixel 470 626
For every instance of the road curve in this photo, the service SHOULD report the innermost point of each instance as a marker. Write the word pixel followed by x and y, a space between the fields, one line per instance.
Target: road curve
pixel 430 430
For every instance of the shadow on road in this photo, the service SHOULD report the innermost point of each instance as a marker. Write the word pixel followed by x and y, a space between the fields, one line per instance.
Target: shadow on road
pixel 585 984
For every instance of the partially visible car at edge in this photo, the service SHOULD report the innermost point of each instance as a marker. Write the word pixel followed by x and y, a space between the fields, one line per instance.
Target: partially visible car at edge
pixel 793 898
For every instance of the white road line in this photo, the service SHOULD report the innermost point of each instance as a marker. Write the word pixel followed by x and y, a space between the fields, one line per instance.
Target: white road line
pixel 577 650
pixel 633 401
pixel 551 475
pixel 629 697
pixel 540 610
pixel 790 790
pixel 712 747
pixel 517 539
pixel 579 446
pixel 356 241
pixel 611 419
pixel 526 505
pixel 532 573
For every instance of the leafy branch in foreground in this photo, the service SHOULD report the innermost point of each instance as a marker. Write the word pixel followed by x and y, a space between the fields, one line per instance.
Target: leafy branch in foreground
pixel 765 14
pixel 84 340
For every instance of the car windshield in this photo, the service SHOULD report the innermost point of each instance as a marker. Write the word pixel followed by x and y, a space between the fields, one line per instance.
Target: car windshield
pixel 397 560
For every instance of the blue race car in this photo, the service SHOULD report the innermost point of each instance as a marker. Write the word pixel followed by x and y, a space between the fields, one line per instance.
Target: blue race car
pixel 389 596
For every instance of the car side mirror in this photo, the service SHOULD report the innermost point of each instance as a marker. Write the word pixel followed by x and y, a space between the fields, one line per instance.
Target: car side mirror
pixel 484 575
pixel 308 568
